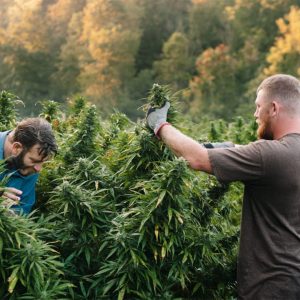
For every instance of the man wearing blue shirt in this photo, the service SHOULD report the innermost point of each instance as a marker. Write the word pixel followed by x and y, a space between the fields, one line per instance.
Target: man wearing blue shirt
pixel 24 150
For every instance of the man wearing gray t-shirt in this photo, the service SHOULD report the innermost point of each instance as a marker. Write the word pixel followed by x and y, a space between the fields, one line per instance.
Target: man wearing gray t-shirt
pixel 269 254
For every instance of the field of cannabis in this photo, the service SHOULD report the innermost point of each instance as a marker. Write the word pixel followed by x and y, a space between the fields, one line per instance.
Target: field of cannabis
pixel 119 216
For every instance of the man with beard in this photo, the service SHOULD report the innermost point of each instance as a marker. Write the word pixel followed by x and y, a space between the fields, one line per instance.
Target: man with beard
pixel 269 254
pixel 24 149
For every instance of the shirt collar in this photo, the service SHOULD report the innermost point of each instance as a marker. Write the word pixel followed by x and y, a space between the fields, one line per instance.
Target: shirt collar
pixel 3 136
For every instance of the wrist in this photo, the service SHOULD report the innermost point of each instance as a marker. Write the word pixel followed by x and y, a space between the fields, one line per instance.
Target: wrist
pixel 159 127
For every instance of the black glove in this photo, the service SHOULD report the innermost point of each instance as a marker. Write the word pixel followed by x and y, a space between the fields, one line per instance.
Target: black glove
pixel 218 145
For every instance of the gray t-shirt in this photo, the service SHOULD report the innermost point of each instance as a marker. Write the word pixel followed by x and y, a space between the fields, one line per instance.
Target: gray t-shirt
pixel 269 254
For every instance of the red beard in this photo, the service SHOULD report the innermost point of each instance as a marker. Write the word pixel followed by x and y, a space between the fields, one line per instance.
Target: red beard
pixel 264 130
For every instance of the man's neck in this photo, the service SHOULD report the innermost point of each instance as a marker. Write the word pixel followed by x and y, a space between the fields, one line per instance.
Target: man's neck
pixel 287 127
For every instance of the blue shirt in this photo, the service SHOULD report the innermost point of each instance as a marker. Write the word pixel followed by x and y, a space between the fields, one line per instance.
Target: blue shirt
pixel 24 183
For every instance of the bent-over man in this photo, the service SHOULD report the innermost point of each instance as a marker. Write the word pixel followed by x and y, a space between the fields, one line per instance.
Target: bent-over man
pixel 25 149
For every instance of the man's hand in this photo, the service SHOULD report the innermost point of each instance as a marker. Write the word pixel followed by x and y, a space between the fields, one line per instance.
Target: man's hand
pixel 11 195
pixel 157 117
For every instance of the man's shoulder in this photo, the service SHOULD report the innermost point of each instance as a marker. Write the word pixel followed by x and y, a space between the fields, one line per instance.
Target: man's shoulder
pixel 286 142
pixel 3 134
pixel 275 152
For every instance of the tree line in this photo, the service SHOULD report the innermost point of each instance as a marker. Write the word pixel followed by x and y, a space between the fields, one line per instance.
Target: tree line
pixel 214 51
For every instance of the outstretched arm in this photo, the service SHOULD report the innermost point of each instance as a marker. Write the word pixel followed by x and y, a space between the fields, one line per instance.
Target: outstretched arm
pixel 183 146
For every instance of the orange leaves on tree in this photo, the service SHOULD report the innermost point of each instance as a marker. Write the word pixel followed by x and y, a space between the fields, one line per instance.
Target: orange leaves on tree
pixel 286 51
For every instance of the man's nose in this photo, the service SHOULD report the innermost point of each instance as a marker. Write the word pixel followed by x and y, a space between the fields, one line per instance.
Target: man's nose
pixel 255 114
pixel 37 167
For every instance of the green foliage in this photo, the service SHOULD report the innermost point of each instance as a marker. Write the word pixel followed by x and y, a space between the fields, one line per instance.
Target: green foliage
pixel 30 268
pixel 238 131
pixel 80 208
pixel 78 105
pixel 8 102
pixel 159 95
pixel 30 75
pixel 117 122
pixel 120 217
pixel 50 110
pixel 155 16
pixel 83 142
pixel 115 63
pixel 208 25
pixel 175 65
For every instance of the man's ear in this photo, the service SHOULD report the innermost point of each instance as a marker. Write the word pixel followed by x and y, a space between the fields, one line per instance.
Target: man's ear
pixel 16 148
pixel 275 109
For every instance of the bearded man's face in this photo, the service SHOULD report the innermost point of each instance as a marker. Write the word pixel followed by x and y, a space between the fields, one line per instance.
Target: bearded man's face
pixel 263 117
pixel 16 162
pixel 28 161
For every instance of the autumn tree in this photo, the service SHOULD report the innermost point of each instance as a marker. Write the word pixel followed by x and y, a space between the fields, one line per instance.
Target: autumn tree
pixel 253 29
pixel 214 88
pixel 284 55
pixel 25 51
pixel 111 37
pixel 257 19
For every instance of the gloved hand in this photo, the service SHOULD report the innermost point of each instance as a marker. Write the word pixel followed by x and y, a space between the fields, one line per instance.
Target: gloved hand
pixel 157 117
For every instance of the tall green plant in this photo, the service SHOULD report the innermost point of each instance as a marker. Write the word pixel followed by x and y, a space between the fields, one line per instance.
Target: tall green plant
pixel 131 221
pixel 163 232
pixel 83 141
pixel 30 268
pixel 8 103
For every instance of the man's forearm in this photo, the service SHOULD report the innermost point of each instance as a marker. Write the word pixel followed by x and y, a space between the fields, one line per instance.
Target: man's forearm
pixel 183 146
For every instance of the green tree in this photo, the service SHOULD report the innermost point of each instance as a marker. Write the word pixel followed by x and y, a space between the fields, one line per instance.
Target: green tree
pixel 176 64
pixel 111 37
pixel 26 52
pixel 253 28
pixel 67 74
pixel 159 20
pixel 256 19
pixel 208 24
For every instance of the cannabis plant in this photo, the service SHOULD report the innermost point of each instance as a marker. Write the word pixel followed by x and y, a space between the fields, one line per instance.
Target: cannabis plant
pixel 83 142
pixel 165 238
pixel 8 103
pixel 30 268
pixel 128 219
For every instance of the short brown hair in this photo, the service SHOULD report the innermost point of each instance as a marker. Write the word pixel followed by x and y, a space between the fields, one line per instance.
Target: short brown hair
pixel 32 131
pixel 283 88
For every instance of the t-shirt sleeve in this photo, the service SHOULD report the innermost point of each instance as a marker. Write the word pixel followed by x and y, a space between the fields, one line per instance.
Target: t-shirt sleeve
pixel 242 163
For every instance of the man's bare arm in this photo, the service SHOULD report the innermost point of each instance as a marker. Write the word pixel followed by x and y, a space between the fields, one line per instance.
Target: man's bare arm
pixel 183 146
